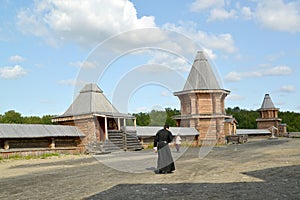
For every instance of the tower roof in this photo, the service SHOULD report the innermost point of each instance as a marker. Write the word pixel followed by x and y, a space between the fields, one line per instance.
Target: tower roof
pixel 267 103
pixel 201 75
pixel 91 100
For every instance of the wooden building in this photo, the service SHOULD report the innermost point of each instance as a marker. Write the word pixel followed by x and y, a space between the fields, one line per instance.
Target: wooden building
pixel 202 102
pixel 269 117
pixel 230 125
pixel 37 139
pixel 94 115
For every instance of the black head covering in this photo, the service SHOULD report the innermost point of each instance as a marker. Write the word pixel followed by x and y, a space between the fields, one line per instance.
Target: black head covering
pixel 166 126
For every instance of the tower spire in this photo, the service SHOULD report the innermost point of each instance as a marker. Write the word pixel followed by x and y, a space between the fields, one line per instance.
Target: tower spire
pixel 201 75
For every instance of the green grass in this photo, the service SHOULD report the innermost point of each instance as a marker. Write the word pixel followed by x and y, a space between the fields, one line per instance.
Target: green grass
pixel 150 146
pixel 28 157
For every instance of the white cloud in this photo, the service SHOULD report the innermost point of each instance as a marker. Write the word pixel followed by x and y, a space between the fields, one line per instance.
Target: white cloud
pixel 233 77
pixel 274 71
pixel 246 12
pixel 12 72
pixel 223 42
pixel 216 9
pixel 221 14
pixel 287 88
pixel 170 60
pixel 210 53
pixel 16 59
pixel 279 15
pixel 86 22
pixel 200 5
pixel 90 22
pixel 278 70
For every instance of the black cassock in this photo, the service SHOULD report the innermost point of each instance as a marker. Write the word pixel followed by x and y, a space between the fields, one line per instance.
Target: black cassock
pixel 165 163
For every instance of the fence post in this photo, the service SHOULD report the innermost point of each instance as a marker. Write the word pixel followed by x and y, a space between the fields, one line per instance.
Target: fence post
pixel 124 138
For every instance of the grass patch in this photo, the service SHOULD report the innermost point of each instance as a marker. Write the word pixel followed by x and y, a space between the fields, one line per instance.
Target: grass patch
pixel 29 157
pixel 150 146
pixel 47 155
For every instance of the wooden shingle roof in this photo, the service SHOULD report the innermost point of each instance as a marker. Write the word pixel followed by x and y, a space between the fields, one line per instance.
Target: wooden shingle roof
pixel 267 103
pixel 38 131
pixel 201 75
pixel 91 100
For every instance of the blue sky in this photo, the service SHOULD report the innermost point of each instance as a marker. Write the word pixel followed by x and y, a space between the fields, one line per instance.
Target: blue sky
pixel 49 49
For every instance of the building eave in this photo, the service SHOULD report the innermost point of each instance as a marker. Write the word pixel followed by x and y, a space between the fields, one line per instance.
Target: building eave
pixel 204 91
pixel 200 116
pixel 268 119
pixel 90 115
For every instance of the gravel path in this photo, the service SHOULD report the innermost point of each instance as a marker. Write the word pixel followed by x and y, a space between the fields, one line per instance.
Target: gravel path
pixel 259 169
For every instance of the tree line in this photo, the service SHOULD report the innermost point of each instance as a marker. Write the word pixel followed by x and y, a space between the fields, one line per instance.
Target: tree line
pixel 246 118
pixel 13 117
pixel 156 117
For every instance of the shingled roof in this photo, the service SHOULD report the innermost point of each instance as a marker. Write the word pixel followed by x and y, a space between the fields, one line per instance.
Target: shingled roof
pixel 201 75
pixel 38 131
pixel 91 100
pixel 267 103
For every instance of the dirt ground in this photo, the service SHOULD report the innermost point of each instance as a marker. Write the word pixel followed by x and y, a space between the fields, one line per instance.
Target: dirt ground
pixel 260 169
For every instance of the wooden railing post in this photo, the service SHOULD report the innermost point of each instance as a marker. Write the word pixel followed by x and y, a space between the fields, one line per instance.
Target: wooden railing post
pixel 124 138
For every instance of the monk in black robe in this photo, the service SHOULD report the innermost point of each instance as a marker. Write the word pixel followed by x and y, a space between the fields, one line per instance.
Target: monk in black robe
pixel 165 163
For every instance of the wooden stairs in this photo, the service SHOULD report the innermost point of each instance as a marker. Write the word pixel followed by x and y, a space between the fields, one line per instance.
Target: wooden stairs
pixel 118 140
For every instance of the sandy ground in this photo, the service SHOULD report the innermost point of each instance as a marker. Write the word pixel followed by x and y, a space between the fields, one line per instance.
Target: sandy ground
pixel 259 169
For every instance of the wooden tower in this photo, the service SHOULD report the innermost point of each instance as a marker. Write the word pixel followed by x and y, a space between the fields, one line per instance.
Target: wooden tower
pixel 202 103
pixel 268 115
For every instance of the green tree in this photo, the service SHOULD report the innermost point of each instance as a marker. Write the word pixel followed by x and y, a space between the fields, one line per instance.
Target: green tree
pixel 246 119
pixel 157 118
pixel 142 119
pixel 31 120
pixel 46 119
pixel 12 117
pixel 292 120
pixel 171 113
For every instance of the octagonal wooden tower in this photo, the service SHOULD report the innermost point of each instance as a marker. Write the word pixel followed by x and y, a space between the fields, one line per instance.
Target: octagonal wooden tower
pixel 268 115
pixel 202 103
